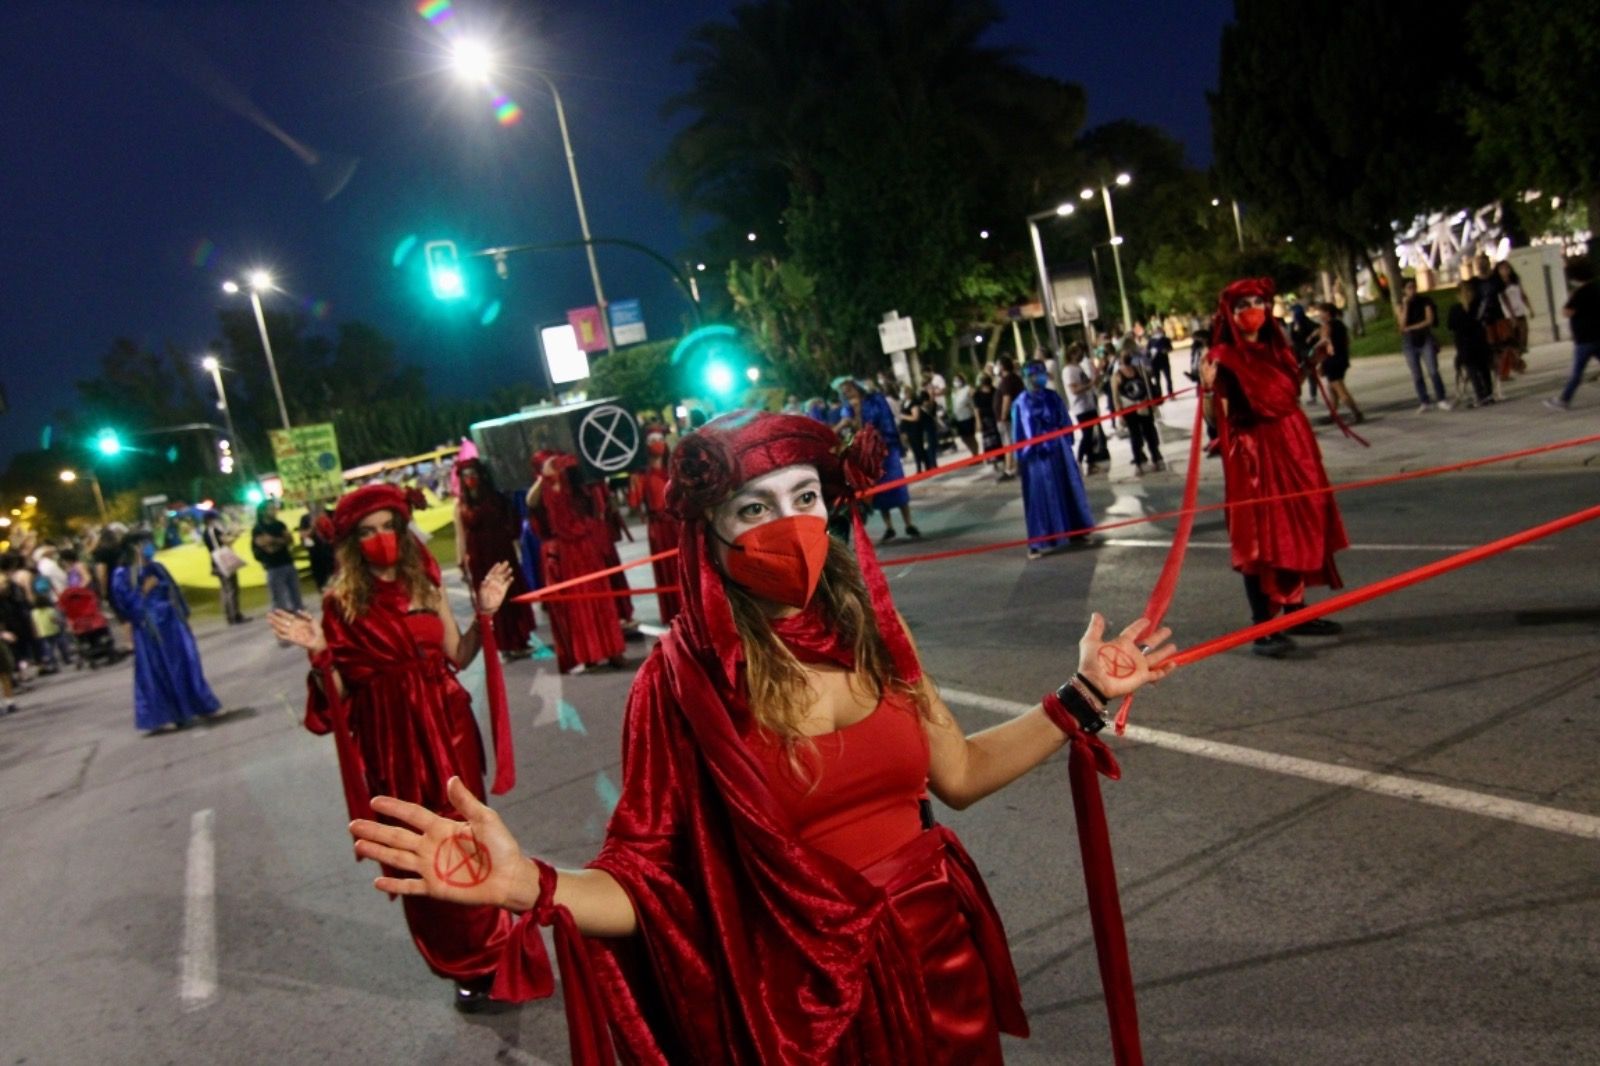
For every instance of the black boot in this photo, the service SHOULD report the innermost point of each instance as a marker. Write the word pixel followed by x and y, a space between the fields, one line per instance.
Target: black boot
pixel 473 996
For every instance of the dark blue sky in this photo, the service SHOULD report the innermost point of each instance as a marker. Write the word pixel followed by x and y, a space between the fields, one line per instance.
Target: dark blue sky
pixel 128 157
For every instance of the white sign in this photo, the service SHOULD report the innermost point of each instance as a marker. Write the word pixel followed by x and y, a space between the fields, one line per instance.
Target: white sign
pixel 897 335
pixel 1074 294
pixel 564 360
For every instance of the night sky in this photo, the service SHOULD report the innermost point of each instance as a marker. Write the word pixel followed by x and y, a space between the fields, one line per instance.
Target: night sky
pixel 136 179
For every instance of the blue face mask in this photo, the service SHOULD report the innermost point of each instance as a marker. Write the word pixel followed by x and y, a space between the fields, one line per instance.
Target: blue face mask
pixel 148 551
pixel 1039 381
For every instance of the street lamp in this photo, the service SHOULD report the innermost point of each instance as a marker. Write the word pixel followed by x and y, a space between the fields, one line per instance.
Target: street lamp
pixel 1238 229
pixel 261 281
pixel 474 62
pixel 70 476
pixel 214 367
pixel 1116 242
pixel 1047 294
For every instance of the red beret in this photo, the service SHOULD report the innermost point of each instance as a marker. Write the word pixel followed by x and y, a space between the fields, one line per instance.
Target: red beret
pixel 355 506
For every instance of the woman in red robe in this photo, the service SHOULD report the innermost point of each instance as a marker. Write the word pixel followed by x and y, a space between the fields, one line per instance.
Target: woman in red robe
pixel 384 662
pixel 1252 385
pixel 649 492
pixel 486 536
pixel 769 891
pixel 574 541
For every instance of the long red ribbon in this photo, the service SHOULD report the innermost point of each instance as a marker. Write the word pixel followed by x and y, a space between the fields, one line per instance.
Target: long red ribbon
pixel 494 682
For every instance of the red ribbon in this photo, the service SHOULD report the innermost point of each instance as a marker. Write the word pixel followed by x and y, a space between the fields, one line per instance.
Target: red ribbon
pixel 494 681
pixel 1333 412
pixel 1088 758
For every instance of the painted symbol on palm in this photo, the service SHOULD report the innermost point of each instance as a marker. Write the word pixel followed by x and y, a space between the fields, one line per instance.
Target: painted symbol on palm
pixel 462 862
pixel 1117 664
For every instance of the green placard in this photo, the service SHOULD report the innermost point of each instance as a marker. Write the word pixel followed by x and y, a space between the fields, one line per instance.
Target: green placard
pixel 308 462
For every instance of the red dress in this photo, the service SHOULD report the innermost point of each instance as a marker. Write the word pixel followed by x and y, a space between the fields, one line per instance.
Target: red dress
pixel 650 491
pixel 574 543
pixel 413 729
pixel 1268 449
pixel 491 532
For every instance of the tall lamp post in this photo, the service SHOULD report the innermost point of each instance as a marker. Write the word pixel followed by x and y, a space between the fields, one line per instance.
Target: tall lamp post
pixel 214 366
pixel 474 62
pixel 260 281
pixel 1116 242
pixel 1047 295
pixel 70 476
pixel 1238 227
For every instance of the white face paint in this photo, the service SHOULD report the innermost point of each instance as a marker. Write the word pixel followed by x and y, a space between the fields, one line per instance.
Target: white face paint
pixel 782 493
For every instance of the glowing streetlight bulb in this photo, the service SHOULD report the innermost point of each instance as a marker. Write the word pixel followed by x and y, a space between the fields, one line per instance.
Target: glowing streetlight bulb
pixel 30 500
pixel 751 237
pixel 230 287
pixel 472 61
pixel 1123 179
pixel 69 476
pixel 700 266
pixel 983 235
pixel 1116 239
pixel 210 363
pixel 754 374
pixel 1066 209
pixel 260 280
pixel 1087 194
pixel 1215 202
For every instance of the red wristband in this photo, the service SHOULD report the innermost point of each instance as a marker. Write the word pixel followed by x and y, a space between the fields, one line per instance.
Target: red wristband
pixel 322 660
pixel 544 904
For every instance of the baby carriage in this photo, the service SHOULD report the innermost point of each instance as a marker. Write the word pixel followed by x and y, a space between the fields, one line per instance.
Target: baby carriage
pixel 90 633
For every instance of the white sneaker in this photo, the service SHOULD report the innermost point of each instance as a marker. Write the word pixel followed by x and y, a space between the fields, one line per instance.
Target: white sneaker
pixel 1443 405
pixel 1555 404
pixel 1424 409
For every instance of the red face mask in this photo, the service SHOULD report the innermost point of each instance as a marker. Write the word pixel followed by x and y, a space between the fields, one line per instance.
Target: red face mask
pixel 381 549
pixel 1251 319
pixel 781 560
pixel 656 447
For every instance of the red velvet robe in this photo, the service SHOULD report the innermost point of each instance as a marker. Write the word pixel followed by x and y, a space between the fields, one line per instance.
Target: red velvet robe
pixel 403 729
pixel 491 532
pixel 573 543
pixel 650 492
pixel 1268 449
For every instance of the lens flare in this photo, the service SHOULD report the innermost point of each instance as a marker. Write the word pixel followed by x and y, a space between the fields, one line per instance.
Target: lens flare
pixel 490 313
pixel 435 11
pixel 506 111
pixel 403 250
pixel 203 251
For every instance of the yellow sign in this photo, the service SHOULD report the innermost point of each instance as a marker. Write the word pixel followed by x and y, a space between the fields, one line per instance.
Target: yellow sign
pixel 308 462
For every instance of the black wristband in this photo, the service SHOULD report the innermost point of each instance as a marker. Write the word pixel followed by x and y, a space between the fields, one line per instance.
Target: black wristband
pixel 1094 690
pixel 1075 703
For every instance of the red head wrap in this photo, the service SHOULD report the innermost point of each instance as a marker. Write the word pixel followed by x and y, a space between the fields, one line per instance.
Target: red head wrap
pixel 711 463
pixel 1223 328
pixel 355 506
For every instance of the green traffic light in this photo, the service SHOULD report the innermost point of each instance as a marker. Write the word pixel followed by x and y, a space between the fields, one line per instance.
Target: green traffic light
pixel 719 378
pixel 253 495
pixel 108 442
pixel 444 270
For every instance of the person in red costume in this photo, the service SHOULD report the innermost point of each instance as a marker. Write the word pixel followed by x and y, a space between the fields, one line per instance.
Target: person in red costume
pixel 768 891
pixel 649 492
pixel 1252 385
pixel 616 528
pixel 383 682
pixel 574 541
pixel 486 536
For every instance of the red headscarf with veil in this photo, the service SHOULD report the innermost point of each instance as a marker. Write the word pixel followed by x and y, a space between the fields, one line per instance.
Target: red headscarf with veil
pixel 752 947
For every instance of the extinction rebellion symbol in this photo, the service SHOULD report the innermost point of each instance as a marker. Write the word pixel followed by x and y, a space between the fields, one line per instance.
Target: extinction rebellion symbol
pixel 608 437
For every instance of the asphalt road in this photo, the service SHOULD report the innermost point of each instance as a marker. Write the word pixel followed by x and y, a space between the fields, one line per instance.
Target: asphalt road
pixel 1280 910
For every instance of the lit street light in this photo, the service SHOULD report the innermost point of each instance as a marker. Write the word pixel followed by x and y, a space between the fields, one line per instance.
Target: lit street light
pixel 474 63
pixel 212 365
pixel 261 281
pixel 30 500
pixel 751 237
pixel 1047 294
pixel 70 476
pixel 1238 228
pixel 1116 242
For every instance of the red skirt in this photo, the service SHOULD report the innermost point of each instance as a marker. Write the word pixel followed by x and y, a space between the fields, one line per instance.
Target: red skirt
pixel 585 631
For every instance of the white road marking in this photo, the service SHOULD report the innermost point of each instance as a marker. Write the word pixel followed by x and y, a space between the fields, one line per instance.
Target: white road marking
pixel 1552 819
pixel 650 630
pixel 197 965
pixel 1221 545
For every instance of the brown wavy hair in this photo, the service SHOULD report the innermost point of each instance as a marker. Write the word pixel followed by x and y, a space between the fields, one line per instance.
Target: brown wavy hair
pixel 351 587
pixel 777 680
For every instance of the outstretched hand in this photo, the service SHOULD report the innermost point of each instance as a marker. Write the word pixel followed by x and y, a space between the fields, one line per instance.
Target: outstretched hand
pixel 297 628
pixel 1119 666
pixel 477 861
pixel 492 593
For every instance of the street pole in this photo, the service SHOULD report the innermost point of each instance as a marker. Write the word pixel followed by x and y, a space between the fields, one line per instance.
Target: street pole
pixel 1047 297
pixel 99 497
pixel 272 365
pixel 1238 229
pixel 1116 257
pixel 583 216
pixel 227 412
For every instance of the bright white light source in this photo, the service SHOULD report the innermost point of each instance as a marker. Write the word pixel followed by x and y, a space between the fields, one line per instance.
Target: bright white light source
pixel 210 363
pixel 472 60
pixel 1066 209
pixel 567 361
pixel 1087 194
pixel 1123 179
pixel 750 237
pixel 230 287
pixel 754 374
pixel 260 280
pixel 983 235
pixel 1116 240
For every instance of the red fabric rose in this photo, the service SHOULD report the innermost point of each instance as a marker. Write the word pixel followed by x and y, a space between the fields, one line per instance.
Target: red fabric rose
pixel 862 459
pixel 702 475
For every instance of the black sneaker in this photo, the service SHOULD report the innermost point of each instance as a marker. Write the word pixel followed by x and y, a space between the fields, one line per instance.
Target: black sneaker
pixel 912 531
pixel 1317 627
pixel 888 535
pixel 473 996
pixel 1273 647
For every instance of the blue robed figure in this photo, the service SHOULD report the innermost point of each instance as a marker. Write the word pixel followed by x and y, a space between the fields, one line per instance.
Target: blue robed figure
pixel 869 408
pixel 169 687
pixel 1053 499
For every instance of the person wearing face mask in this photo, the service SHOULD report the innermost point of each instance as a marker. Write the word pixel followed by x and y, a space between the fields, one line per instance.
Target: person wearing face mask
pixel 1332 353
pixel 962 413
pixel 576 540
pixel 648 492
pixel 1053 498
pixel 486 536
pixel 769 889
pixel 861 409
pixel 384 661
pixel 169 687
pixel 1252 384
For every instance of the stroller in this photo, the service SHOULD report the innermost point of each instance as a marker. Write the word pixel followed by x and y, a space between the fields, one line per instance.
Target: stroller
pixel 90 633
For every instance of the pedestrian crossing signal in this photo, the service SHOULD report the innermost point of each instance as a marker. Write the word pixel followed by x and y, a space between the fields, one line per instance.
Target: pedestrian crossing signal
pixel 444 270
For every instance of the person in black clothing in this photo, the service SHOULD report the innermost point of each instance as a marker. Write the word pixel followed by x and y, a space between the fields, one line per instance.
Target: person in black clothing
pixel 1159 352
pixel 1302 337
pixel 274 550
pixel 1419 315
pixel 913 422
pixel 1472 344
pixel 1583 311
pixel 985 400
pixel 1498 326
pixel 1333 350
pixel 1132 387
pixel 316 528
